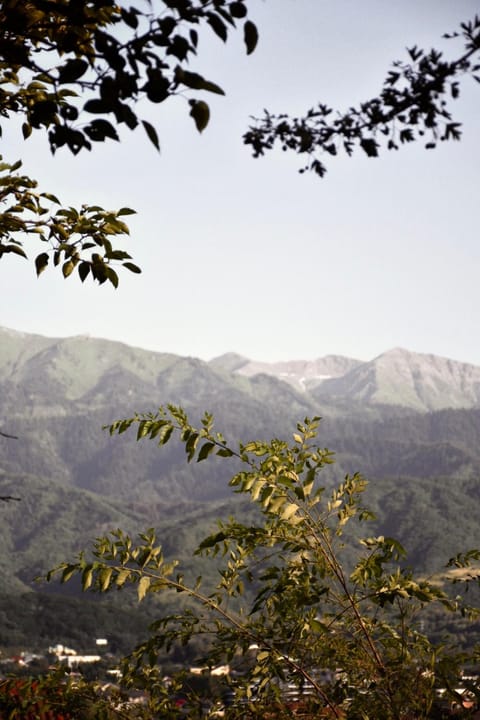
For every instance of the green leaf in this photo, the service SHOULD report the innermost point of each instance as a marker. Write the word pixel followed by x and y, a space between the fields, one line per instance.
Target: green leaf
pixel 191 445
pixel 41 262
pixel 100 129
pixel 152 135
pixel 111 275
pixel 50 196
pixel 130 266
pixel 197 82
pixel 238 9
pixel 126 211
pixel 83 270
pixel 212 540
pixel 97 106
pixel 370 146
pixel 165 434
pixel 217 25
pixel 250 36
pixel 200 112
pixel 117 255
pixel 212 87
pixel 122 576
pixel 105 577
pixel 72 70
pixel 257 487
pixel 68 572
pixel 288 511
pixel 143 586
pixel 87 577
pixel 26 130
pixel 129 17
pixel 205 451
pixel 67 268
pixel 275 505
pixel 16 250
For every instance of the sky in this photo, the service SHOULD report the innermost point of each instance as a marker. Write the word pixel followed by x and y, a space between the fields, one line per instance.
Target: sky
pixel 248 256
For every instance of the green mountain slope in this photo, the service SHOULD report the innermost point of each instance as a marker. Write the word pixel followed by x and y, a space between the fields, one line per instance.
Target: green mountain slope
pixel 76 482
pixel 413 380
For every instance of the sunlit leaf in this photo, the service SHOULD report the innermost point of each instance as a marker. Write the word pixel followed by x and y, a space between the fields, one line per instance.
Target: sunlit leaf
pixel 143 586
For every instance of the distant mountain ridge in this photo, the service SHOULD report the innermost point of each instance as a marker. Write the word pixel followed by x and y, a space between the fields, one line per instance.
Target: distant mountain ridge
pixel 301 374
pixel 421 382
pixel 85 367
pixel 418 381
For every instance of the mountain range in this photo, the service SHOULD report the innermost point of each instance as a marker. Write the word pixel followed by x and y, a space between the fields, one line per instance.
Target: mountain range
pixel 397 377
pixel 409 422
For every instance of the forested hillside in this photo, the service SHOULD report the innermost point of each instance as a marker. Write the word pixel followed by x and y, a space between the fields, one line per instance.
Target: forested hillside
pixel 75 482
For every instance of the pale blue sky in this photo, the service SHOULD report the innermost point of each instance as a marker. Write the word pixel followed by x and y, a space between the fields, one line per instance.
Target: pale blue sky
pixel 249 256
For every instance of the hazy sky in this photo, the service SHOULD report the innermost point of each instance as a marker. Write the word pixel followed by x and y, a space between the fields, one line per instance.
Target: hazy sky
pixel 249 256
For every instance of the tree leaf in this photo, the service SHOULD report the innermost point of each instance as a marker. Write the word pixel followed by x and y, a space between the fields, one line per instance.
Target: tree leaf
pixel 41 262
pixel 217 25
pixel 100 129
pixel 370 146
pixel 72 70
pixel 205 451
pixel 132 267
pixel 117 255
pixel 87 577
pixel 250 36
pixel 50 196
pixel 212 87
pixel 200 112
pixel 111 275
pixel 83 270
pixel 67 268
pixel 143 586
pixel 105 576
pixel 196 81
pixel 288 511
pixel 152 135
pixel 97 106
pixel 122 577
pixel 238 9
pixel 16 250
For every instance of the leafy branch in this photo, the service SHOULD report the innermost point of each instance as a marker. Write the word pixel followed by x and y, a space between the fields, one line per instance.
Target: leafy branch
pixel 285 587
pixel 412 105
pixel 54 54
pixel 68 233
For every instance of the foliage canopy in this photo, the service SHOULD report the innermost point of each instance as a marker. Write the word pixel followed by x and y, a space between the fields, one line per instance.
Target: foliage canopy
pixel 77 71
pixel 286 607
